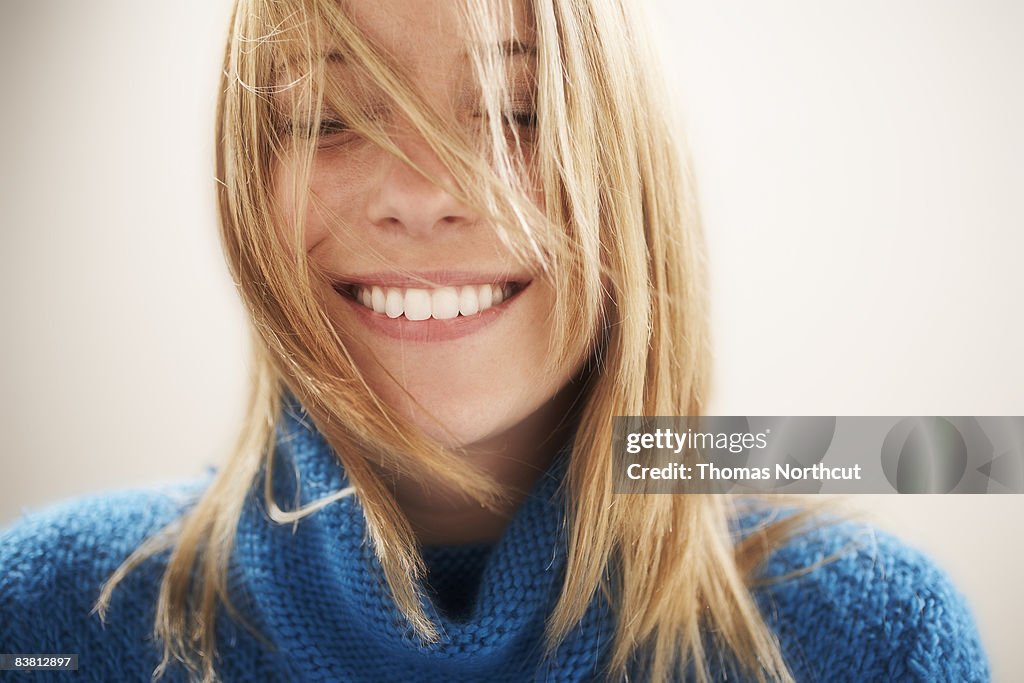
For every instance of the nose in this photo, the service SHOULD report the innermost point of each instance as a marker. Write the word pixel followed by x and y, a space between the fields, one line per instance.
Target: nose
pixel 404 199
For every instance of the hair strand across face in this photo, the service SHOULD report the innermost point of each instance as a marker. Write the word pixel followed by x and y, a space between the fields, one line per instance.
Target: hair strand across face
pixel 616 235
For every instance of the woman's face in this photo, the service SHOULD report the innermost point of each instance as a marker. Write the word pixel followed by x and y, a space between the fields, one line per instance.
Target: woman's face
pixel 471 346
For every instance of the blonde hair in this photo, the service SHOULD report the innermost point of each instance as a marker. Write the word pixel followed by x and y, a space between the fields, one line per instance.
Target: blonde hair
pixel 618 236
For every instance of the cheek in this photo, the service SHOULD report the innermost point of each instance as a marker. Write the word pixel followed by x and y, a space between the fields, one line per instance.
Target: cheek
pixel 294 232
pixel 330 200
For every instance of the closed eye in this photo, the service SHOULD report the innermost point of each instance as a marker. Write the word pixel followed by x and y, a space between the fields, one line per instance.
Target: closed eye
pixel 330 126
pixel 523 119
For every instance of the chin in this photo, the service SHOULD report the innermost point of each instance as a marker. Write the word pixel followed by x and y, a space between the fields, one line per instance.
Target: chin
pixel 459 424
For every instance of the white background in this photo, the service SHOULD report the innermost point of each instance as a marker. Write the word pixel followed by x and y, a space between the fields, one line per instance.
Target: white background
pixel 860 170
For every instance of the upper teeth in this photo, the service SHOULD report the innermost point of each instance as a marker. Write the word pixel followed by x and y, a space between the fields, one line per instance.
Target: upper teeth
pixel 442 303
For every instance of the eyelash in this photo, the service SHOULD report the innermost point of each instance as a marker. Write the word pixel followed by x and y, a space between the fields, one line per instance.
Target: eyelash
pixel 329 126
pixel 523 119
pixel 306 131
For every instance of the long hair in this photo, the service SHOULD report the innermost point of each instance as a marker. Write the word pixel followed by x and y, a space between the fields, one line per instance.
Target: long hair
pixel 618 236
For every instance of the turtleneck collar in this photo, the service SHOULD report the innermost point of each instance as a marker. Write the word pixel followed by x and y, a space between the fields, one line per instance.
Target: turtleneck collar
pixel 316 589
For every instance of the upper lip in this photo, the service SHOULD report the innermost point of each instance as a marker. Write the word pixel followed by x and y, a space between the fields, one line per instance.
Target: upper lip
pixel 434 278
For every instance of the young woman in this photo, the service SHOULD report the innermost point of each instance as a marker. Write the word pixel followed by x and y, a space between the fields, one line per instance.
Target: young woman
pixel 466 240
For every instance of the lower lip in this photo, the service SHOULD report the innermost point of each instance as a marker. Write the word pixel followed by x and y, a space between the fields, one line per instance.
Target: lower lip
pixel 431 329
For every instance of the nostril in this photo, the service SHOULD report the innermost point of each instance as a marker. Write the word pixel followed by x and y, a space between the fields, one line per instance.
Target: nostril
pixel 406 201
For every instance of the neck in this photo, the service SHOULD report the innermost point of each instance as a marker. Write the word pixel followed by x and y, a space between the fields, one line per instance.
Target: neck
pixel 516 458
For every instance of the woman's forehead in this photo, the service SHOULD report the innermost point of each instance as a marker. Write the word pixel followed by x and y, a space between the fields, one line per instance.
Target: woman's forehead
pixel 428 33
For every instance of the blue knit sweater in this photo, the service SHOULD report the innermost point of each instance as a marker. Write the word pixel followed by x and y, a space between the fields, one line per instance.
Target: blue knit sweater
pixel 882 612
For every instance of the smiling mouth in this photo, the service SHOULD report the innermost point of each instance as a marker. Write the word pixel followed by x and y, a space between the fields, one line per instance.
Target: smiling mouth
pixel 439 303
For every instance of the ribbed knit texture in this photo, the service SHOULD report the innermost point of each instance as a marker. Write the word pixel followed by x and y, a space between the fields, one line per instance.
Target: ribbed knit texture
pixel 881 612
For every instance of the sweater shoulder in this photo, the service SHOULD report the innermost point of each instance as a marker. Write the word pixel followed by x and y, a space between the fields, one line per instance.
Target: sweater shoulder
pixel 845 596
pixel 54 561
pixel 95 531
